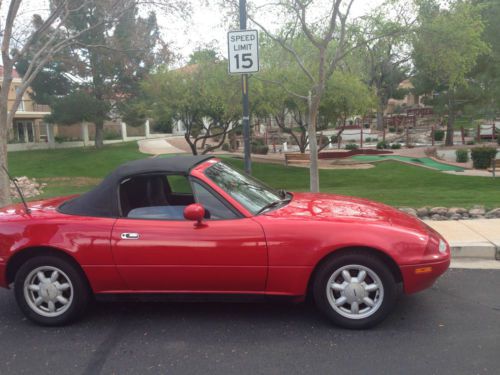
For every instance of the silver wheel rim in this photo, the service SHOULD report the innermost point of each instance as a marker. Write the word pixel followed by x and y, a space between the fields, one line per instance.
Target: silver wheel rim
pixel 48 291
pixel 355 291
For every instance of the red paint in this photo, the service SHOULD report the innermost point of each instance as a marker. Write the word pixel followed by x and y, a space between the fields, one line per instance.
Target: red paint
pixel 273 253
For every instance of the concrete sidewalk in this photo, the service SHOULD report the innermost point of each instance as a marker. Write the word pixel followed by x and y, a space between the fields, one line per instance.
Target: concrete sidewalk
pixel 478 239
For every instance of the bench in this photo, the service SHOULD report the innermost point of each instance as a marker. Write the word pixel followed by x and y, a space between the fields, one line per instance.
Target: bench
pixel 296 158
pixel 495 165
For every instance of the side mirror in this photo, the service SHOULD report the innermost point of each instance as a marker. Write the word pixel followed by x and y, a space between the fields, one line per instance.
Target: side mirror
pixel 195 212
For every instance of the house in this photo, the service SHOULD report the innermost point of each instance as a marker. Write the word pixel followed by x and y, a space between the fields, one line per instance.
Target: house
pixel 28 125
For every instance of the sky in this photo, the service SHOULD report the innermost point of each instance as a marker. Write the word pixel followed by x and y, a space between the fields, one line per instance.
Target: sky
pixel 207 24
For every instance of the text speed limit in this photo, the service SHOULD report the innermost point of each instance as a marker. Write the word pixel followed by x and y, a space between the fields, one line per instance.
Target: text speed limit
pixel 243 51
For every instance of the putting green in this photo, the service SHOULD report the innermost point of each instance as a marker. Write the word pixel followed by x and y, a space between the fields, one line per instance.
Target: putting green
pixel 428 162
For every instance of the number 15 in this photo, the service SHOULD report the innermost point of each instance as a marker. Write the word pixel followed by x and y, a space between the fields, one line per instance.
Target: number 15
pixel 246 60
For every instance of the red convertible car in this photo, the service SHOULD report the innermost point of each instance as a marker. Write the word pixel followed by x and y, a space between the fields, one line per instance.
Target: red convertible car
pixel 194 225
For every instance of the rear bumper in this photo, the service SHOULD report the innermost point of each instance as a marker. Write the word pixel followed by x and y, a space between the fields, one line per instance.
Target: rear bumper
pixel 418 277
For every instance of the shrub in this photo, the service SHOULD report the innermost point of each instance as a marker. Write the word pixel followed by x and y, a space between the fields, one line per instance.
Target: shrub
pixel 396 146
pixel 382 145
pixel 334 139
pixel 366 126
pixel 225 147
pixel 462 155
pixel 392 130
pixel 470 143
pixel 257 142
pixel 110 135
pixel 368 139
pixel 498 137
pixel 482 156
pixel 260 149
pixel 351 146
pixel 438 135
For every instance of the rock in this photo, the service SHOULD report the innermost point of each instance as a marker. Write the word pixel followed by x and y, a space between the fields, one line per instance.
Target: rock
pixel 455 217
pixel 437 217
pixel 425 217
pixel 479 211
pixel 408 210
pixel 29 188
pixel 477 216
pixel 456 210
pixel 438 211
pixel 423 211
pixel 495 213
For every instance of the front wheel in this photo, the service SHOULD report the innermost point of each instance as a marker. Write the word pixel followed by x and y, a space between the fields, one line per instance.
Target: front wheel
pixel 355 290
pixel 51 291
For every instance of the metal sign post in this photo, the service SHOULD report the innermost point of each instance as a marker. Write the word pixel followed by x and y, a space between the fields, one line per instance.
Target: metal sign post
pixel 243 57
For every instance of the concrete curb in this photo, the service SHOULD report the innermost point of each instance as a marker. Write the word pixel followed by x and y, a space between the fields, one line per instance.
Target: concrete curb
pixel 477 239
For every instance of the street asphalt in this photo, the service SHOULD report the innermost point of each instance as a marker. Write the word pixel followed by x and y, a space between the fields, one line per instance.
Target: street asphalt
pixel 452 328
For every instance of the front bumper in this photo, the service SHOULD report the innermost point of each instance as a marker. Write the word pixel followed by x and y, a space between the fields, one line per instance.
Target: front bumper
pixel 417 277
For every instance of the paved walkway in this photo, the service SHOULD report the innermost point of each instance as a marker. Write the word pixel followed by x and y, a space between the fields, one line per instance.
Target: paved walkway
pixel 479 239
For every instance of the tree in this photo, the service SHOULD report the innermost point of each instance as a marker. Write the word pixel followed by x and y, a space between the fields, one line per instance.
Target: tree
pixel 37 45
pixel 203 97
pixel 386 59
pixel 446 48
pixel 110 60
pixel 328 32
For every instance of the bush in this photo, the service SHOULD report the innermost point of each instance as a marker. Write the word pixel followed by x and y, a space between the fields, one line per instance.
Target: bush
pixel 368 139
pixel 462 155
pixel 438 135
pixel 396 146
pixel 470 143
pixel 351 146
pixel 498 137
pixel 392 130
pixel 382 145
pixel 482 156
pixel 110 135
pixel 334 139
pixel 260 149
pixel 257 142
pixel 225 147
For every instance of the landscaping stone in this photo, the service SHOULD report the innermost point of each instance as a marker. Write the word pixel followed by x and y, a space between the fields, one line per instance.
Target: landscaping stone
pixel 495 213
pixel 479 211
pixel 422 212
pixel 29 187
pixel 409 210
pixel 439 211
pixel 453 213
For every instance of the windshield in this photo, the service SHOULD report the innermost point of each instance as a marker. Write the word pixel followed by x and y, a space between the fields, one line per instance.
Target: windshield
pixel 249 192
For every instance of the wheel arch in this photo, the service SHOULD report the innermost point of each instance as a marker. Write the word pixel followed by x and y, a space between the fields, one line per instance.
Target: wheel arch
pixel 384 257
pixel 21 256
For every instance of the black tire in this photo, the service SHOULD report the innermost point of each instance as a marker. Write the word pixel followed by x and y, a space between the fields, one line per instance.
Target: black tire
pixel 78 296
pixel 343 315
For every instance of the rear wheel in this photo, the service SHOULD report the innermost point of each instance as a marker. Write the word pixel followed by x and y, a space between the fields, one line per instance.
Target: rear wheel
pixel 51 291
pixel 355 290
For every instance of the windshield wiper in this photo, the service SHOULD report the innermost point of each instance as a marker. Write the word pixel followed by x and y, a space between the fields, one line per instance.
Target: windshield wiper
pixel 272 205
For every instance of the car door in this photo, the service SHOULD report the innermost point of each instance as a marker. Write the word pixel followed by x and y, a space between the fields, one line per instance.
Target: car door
pixel 228 253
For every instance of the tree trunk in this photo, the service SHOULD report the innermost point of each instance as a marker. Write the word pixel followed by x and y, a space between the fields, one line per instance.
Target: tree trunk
pixel 99 134
pixel 451 122
pixel 192 145
pixel 313 105
pixel 380 115
pixel 4 179
pixel 4 126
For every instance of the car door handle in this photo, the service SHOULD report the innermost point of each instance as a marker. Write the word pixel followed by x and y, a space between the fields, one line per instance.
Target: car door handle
pixel 130 236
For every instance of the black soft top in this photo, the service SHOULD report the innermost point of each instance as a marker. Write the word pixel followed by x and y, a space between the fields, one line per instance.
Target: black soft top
pixel 102 201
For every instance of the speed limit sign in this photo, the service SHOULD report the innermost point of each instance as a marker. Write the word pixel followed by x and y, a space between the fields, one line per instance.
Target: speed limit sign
pixel 243 51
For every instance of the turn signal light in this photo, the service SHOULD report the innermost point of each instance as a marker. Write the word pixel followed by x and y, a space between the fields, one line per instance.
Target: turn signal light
pixel 423 270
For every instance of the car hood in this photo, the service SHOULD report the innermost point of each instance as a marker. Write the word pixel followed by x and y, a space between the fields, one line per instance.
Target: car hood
pixel 338 208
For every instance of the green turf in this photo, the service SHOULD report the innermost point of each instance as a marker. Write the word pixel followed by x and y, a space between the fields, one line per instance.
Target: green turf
pixel 428 162
pixel 390 182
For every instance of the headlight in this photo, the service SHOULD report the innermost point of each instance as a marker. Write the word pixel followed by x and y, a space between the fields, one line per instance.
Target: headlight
pixel 442 246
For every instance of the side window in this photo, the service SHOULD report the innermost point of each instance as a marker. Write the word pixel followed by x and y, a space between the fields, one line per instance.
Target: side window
pixel 216 209
pixel 179 184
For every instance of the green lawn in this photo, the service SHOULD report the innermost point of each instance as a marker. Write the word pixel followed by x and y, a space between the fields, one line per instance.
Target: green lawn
pixel 75 170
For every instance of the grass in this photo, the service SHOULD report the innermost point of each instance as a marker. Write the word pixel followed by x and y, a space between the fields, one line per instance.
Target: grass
pixel 70 171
